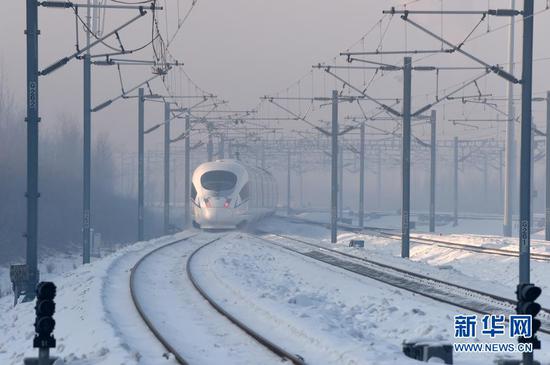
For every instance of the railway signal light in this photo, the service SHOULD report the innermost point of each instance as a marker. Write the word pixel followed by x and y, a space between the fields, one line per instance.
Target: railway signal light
pixel 526 295
pixel 45 308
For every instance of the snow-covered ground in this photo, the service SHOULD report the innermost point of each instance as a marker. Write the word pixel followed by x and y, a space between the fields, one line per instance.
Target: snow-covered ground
pixel 327 315
pixel 183 317
pixel 49 266
pixel 490 273
pixel 52 263
pixel 85 331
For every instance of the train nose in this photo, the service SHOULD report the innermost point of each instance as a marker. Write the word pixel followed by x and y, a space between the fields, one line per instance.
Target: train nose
pixel 218 218
pixel 211 214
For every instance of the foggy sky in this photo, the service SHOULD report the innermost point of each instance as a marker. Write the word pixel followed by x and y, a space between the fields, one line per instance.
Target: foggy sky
pixel 240 50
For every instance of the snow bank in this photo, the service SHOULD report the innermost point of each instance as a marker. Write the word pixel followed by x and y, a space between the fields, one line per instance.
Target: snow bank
pixel 85 333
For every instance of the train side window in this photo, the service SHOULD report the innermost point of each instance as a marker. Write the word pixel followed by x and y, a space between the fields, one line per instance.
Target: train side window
pixel 193 192
pixel 245 192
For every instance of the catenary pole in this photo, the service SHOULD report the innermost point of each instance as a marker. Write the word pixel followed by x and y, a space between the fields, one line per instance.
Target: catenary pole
pixel 301 172
pixel 32 148
pixel 221 147
pixel 362 176
pixel 173 188
pixel 500 182
pixel 547 212
pixel 510 136
pixel 210 146
pixel 433 147
pixel 379 178
pixel 485 180
pixel 334 169
pixel 533 192
pixel 187 168
pixel 340 182
pixel 406 158
pixel 525 157
pixel 263 155
pixel 87 145
pixel 455 182
pixel 288 184
pixel 166 219
pixel 141 147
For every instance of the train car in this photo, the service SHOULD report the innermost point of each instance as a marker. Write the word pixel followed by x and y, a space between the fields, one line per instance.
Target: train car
pixel 226 194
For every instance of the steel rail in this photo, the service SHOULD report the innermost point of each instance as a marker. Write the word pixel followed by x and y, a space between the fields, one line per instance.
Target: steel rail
pixel 502 301
pixel 467 247
pixel 295 359
pixel 387 232
pixel 164 342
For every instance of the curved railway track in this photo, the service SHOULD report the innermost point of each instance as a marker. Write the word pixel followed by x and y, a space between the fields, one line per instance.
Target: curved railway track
pixel 157 332
pixel 148 322
pixel 388 233
pixel 295 359
pixel 439 290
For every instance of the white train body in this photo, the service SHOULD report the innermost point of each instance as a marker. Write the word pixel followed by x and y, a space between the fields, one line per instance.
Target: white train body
pixel 226 194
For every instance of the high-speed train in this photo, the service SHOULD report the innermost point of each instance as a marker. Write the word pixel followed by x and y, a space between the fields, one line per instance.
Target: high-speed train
pixel 227 194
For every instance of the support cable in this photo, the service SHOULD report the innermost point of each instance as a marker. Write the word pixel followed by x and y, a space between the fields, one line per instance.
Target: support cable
pixel 494 68
pixel 483 17
pixel 113 48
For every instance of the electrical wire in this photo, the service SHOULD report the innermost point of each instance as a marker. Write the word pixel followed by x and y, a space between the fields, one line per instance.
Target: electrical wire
pixel 113 48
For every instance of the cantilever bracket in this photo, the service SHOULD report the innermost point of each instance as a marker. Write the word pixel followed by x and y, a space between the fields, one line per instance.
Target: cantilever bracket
pixel 62 62
pixel 384 106
pixel 494 68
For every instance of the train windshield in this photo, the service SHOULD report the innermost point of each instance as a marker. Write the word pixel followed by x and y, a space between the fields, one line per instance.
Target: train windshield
pixel 218 180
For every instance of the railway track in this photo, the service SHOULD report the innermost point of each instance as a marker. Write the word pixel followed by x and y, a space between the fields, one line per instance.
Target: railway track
pixel 387 233
pixel 133 292
pixel 439 290
pixel 295 359
pixel 157 332
pixel 460 246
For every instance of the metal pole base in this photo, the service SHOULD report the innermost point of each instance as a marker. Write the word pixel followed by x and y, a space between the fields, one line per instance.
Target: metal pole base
pixel 35 361
pixel 42 359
